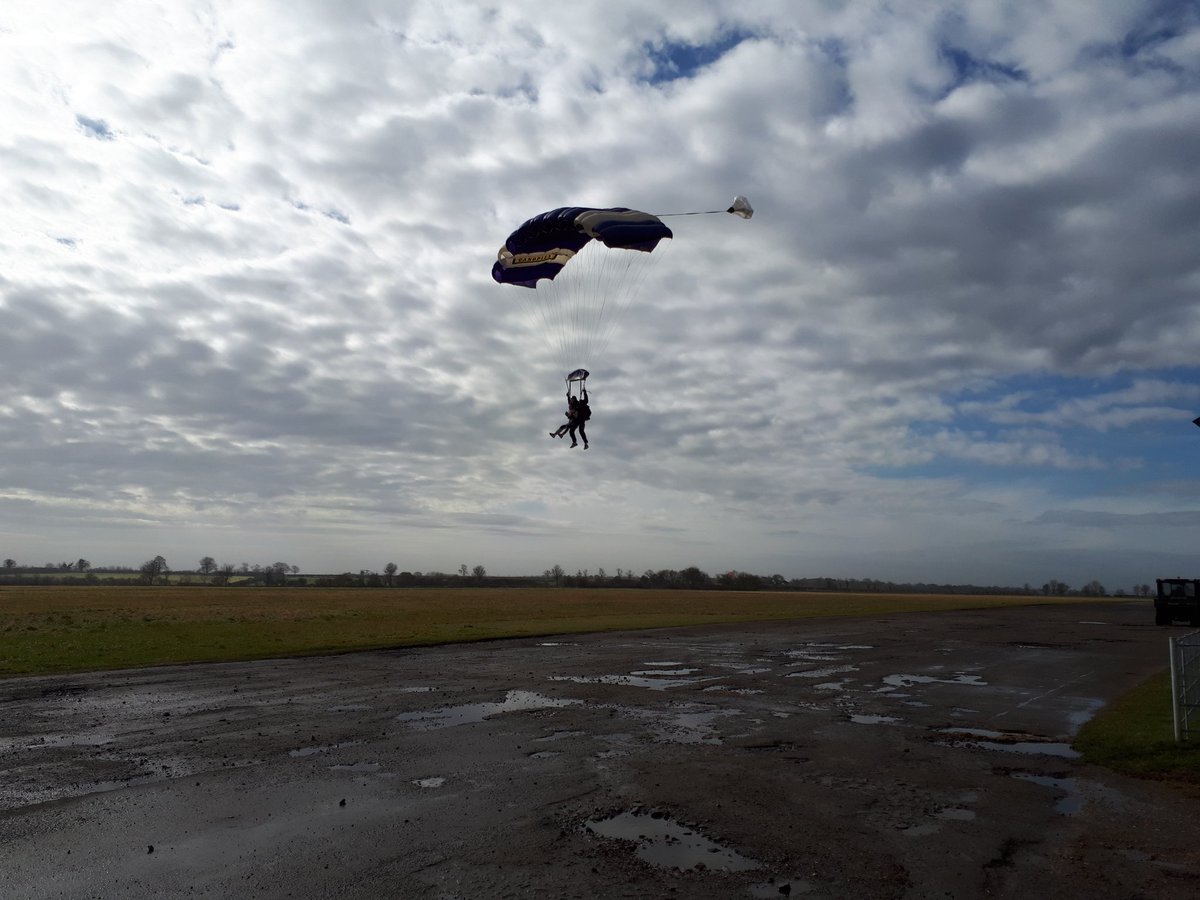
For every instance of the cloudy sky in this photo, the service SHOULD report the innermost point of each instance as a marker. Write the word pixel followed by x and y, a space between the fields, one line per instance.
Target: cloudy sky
pixel 246 308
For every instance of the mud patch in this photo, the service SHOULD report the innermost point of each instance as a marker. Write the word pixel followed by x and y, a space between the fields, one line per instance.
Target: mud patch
pixel 661 841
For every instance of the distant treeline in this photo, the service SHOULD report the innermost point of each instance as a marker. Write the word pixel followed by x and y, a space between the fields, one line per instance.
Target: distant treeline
pixel 157 572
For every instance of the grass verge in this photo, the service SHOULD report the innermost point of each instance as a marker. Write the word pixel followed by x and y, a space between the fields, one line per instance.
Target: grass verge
pixel 1135 735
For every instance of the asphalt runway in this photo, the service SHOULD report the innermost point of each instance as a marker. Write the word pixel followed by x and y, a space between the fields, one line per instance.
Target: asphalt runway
pixel 923 755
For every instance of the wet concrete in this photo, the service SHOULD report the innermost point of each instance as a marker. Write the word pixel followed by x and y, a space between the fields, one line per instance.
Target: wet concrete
pixel 929 757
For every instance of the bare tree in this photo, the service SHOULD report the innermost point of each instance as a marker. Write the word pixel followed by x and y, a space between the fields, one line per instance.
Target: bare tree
pixel 556 572
pixel 82 565
pixel 208 565
pixel 462 570
pixel 479 572
pixel 10 564
pixel 154 570
pixel 390 572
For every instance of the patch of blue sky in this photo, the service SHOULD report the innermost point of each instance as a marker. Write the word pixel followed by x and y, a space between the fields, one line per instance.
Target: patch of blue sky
pixel 1084 434
pixel 1162 21
pixel 1159 23
pixel 967 68
pixel 975 68
pixel 96 128
pixel 674 60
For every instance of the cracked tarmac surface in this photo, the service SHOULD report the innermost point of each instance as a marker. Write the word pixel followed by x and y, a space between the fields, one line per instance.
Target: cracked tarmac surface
pixel 917 755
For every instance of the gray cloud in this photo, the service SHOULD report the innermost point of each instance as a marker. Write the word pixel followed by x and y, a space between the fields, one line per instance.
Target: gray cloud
pixel 247 312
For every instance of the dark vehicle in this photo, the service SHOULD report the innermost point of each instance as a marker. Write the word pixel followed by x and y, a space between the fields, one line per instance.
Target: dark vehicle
pixel 1177 598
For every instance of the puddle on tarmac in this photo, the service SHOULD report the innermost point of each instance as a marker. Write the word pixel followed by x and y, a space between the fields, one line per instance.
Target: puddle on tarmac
pixel 822 673
pixel 681 725
pixel 1063 751
pixel 1079 717
pixel 429 782
pixel 544 754
pixel 415 690
pixel 654 684
pixel 1070 804
pixel 665 671
pixel 695 728
pixel 873 720
pixel 743 668
pixel 832 685
pixel 664 842
pixel 813 655
pixel 669 662
pixel 1010 742
pixel 1033 748
pixel 514 701
pixel 973 732
pixel 903 681
pixel 358 767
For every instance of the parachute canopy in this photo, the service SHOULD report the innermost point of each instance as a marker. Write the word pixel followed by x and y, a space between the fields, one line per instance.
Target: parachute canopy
pixel 587 265
pixel 547 242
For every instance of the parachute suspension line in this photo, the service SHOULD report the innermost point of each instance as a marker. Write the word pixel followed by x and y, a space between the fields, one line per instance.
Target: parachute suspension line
pixel 612 306
pixel 538 308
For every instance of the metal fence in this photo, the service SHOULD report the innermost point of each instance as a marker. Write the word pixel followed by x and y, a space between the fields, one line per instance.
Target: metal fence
pixel 1185 685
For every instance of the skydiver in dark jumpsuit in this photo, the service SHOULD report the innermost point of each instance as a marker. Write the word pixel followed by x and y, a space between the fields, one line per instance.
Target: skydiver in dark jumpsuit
pixel 583 412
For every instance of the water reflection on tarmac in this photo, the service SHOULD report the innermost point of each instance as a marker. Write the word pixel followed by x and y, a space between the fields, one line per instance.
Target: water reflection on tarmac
pixel 919 755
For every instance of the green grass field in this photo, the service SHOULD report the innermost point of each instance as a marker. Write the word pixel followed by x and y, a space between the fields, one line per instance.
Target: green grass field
pixel 80 628
pixel 46 630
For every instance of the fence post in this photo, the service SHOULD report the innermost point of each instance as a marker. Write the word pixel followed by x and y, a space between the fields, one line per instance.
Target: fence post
pixel 1176 712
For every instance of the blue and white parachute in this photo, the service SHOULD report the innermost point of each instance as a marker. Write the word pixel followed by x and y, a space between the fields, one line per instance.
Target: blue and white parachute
pixel 584 266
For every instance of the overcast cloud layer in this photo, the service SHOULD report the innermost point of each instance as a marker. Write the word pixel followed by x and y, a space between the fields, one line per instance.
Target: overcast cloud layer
pixel 247 310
